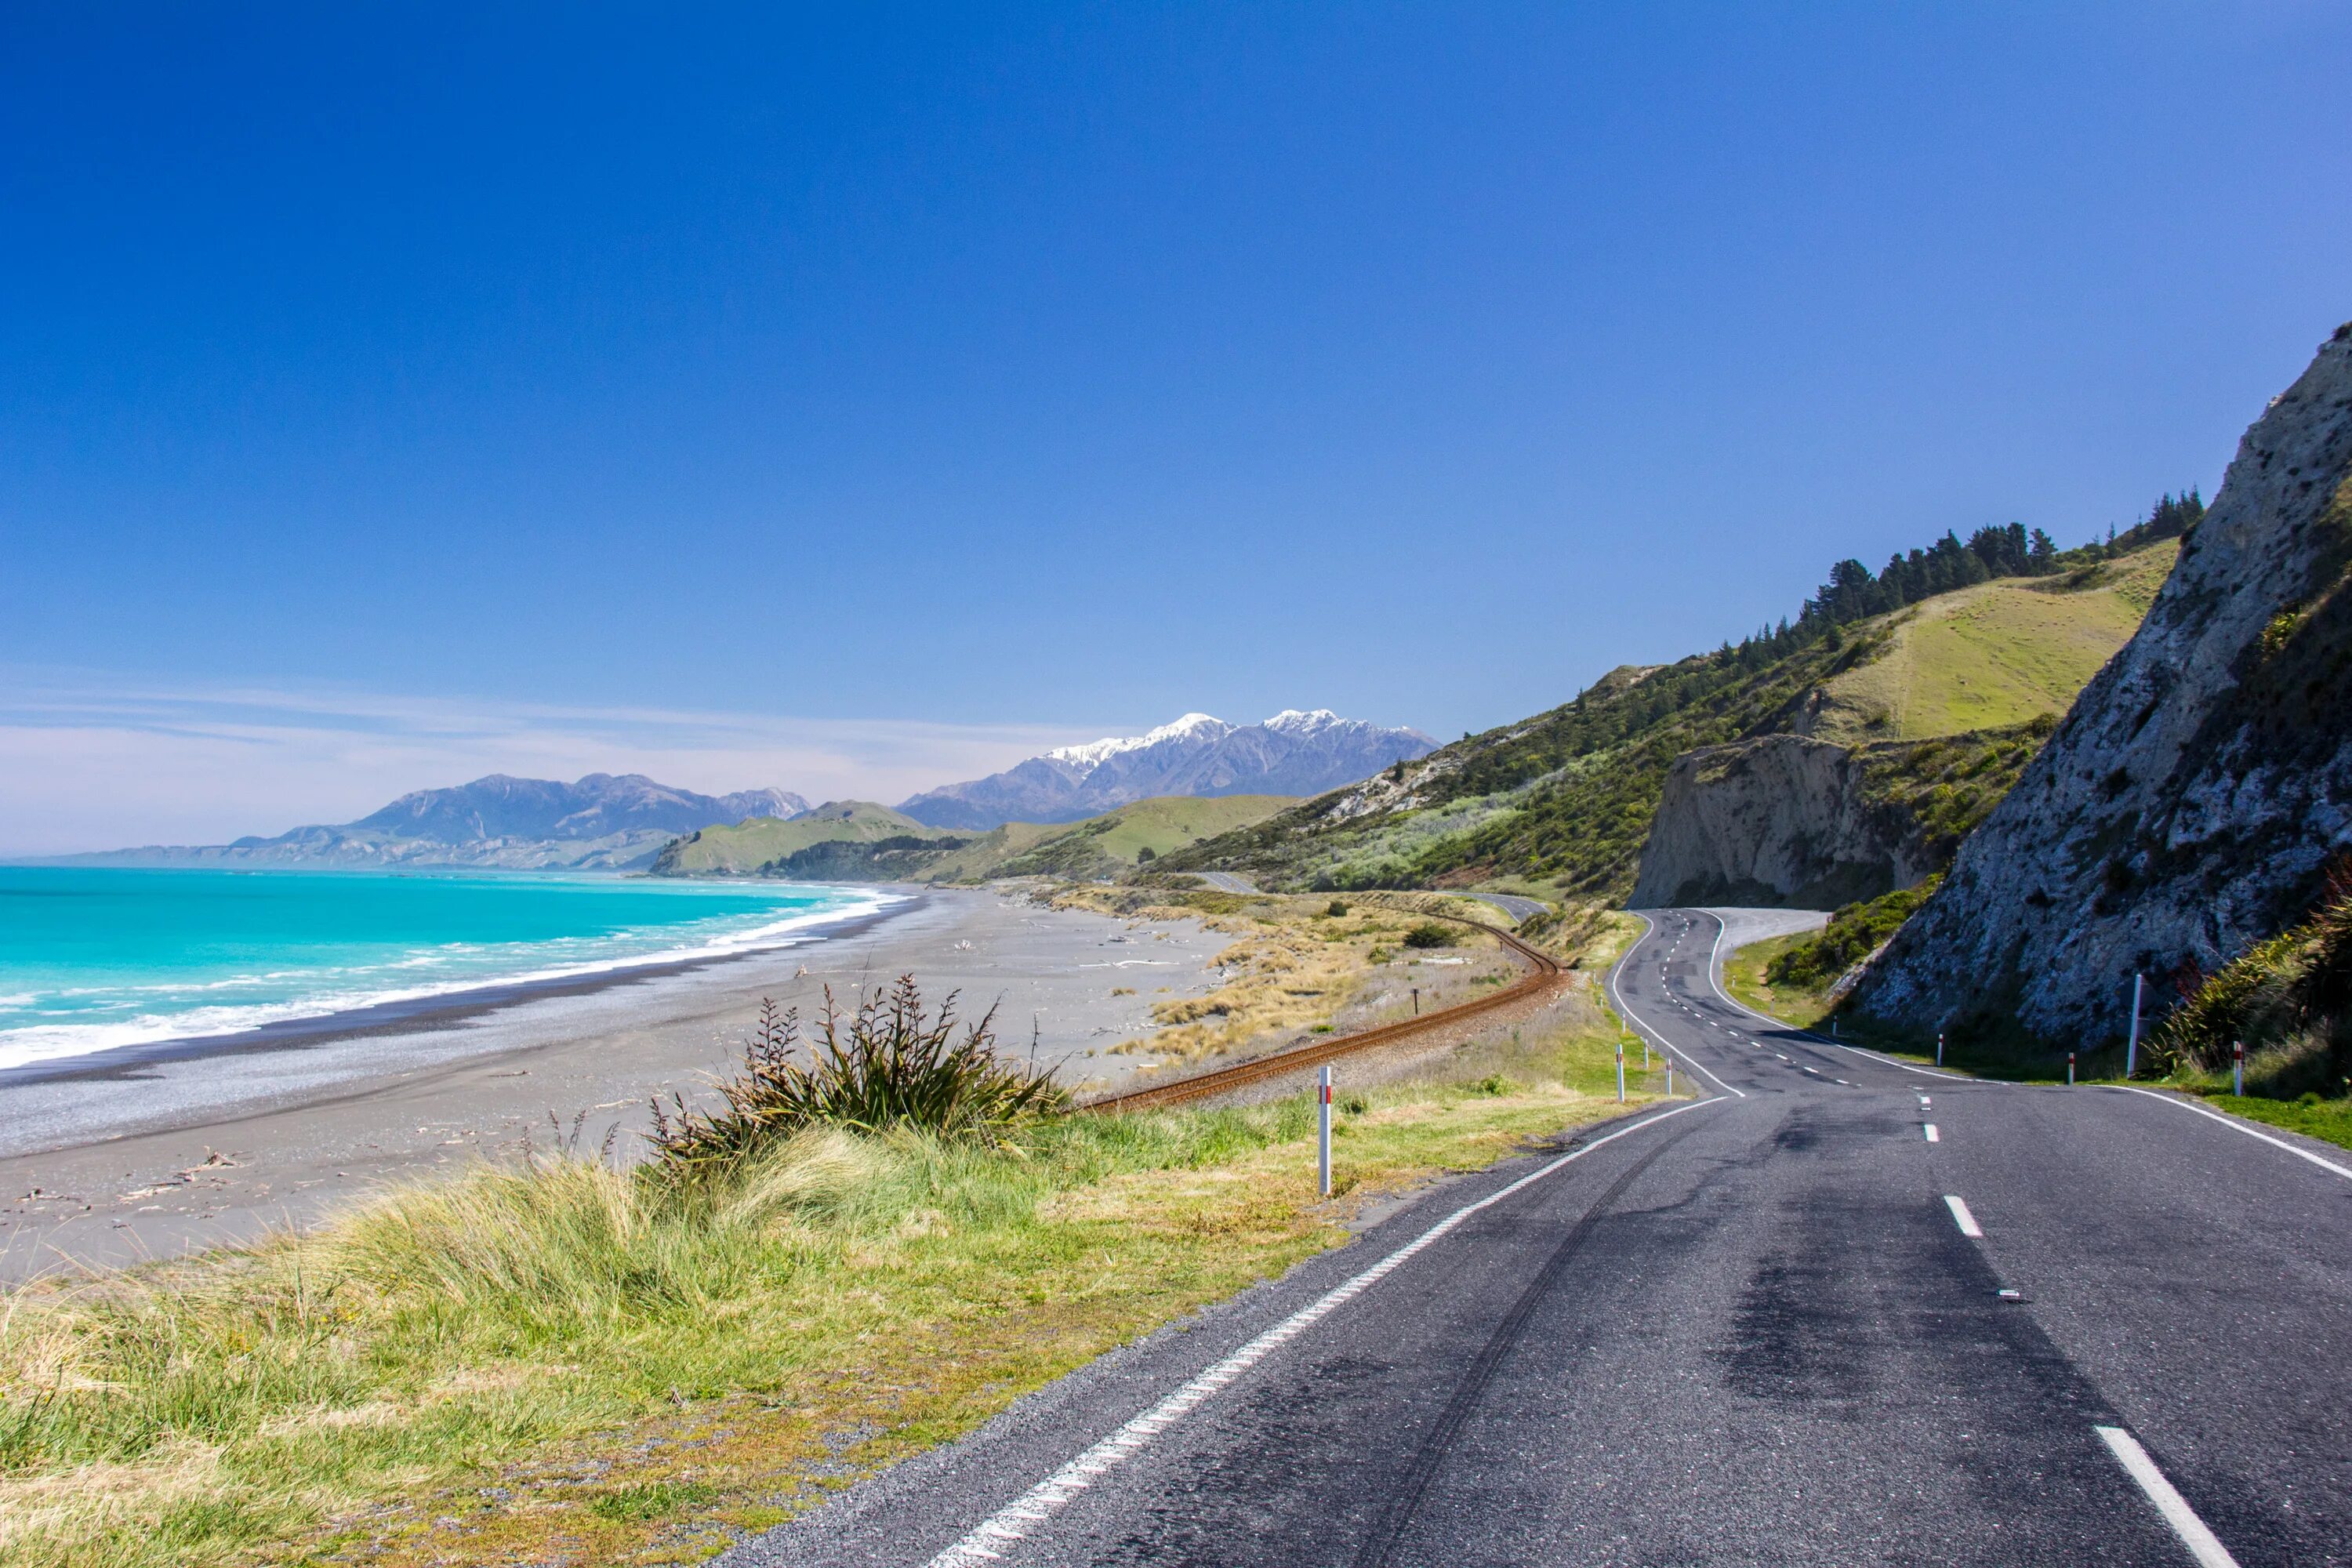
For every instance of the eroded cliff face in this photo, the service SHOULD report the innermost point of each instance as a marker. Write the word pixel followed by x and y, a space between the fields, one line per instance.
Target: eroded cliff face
pixel 1778 820
pixel 2190 799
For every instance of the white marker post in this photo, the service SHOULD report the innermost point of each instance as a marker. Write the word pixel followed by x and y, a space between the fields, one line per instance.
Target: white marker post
pixel 1323 1132
pixel 1621 1070
pixel 1670 1077
pixel 1939 1047
pixel 2238 1068
pixel 2131 1041
pixel 2070 1069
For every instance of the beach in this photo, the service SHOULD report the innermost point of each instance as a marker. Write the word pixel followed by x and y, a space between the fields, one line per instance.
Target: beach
pixel 128 1156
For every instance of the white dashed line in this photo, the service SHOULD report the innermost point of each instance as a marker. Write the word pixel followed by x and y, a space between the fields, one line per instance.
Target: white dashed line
pixel 1931 1133
pixel 1967 1221
pixel 2203 1544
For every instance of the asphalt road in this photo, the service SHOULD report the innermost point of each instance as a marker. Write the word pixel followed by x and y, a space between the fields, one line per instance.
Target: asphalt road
pixel 1511 904
pixel 1751 1329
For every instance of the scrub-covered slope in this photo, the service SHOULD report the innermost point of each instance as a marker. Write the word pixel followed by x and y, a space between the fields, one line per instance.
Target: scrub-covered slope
pixel 2190 801
pixel 1565 802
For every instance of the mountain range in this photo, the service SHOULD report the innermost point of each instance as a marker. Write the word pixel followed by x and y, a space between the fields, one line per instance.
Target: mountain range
pixel 601 822
pixel 1292 753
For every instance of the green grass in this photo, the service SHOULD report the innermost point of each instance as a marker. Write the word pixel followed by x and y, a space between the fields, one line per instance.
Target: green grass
pixel 745 847
pixel 1993 656
pixel 1562 804
pixel 1745 974
pixel 1113 842
pixel 2329 1120
pixel 570 1362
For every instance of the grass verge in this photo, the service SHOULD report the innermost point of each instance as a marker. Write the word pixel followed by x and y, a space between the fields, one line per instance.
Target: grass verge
pixel 569 1362
pixel 2329 1120
pixel 1744 977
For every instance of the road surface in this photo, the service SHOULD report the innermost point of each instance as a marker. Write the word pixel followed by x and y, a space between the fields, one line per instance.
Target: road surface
pixel 1511 904
pixel 1766 1326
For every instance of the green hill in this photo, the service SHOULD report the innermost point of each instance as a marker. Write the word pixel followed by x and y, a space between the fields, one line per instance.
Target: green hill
pixel 858 841
pixel 751 847
pixel 1141 834
pixel 1563 803
pixel 2002 653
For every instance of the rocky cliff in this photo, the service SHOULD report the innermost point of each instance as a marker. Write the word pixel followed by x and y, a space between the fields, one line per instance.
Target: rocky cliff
pixel 1777 820
pixel 1803 823
pixel 2188 801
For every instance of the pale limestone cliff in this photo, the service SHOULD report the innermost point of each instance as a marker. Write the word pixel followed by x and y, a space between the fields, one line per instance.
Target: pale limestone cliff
pixel 1778 820
pixel 2191 798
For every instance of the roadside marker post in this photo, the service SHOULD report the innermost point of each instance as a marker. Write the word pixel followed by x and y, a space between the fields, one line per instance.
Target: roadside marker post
pixel 1939 1047
pixel 1323 1132
pixel 2131 1041
pixel 1670 1077
pixel 2070 1069
pixel 1621 1070
pixel 2238 1068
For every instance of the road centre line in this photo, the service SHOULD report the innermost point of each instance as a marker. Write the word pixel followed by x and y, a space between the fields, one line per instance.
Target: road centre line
pixel 1722 930
pixel 1931 1132
pixel 1960 1215
pixel 2202 1543
pixel 2234 1125
pixel 988 1541
pixel 1618 996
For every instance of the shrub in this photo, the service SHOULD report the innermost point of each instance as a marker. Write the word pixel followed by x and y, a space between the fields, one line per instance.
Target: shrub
pixel 1853 933
pixel 2288 999
pixel 888 1065
pixel 1336 909
pixel 1146 855
pixel 1429 934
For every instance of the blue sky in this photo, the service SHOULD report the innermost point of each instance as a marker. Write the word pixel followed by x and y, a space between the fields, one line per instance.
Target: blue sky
pixel 875 395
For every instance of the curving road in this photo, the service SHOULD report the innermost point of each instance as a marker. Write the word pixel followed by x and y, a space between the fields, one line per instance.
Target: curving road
pixel 1784 1324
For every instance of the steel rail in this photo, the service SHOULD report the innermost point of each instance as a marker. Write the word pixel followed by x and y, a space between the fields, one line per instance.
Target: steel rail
pixel 1543 973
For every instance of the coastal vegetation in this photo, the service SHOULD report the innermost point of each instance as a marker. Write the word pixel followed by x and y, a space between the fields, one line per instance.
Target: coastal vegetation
pixel 1293 965
pixel 2288 1001
pixel 889 1065
pixel 573 1360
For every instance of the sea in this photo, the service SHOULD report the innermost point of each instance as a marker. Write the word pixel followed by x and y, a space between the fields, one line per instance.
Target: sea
pixel 96 959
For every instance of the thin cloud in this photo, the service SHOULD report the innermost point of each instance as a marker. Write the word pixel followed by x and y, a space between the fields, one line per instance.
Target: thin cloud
pixel 91 762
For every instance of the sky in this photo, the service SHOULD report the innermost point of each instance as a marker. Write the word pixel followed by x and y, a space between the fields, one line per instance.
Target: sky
pixel 852 399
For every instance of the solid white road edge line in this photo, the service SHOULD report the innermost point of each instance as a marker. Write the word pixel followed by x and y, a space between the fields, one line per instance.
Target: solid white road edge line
pixel 1712 964
pixel 2234 1125
pixel 986 1544
pixel 1960 1215
pixel 2203 1544
pixel 1627 1013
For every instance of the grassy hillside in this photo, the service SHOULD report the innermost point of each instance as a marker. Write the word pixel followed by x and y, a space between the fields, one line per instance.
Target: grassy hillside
pixel 1997 654
pixel 746 848
pixel 1144 832
pixel 1563 802
pixel 858 841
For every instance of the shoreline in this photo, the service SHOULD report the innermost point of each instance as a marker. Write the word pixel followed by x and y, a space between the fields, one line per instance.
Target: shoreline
pixel 123 1162
pixel 424 1013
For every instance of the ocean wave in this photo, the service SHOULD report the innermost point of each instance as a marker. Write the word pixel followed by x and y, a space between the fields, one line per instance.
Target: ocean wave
pixel 51 1042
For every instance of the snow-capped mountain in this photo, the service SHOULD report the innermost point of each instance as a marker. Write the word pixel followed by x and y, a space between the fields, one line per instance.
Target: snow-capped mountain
pixel 604 821
pixel 1293 752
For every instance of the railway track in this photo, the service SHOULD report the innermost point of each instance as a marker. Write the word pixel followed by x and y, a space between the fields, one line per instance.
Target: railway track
pixel 1544 973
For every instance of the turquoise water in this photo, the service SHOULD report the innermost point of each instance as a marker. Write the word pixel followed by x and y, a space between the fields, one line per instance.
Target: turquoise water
pixel 93 959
